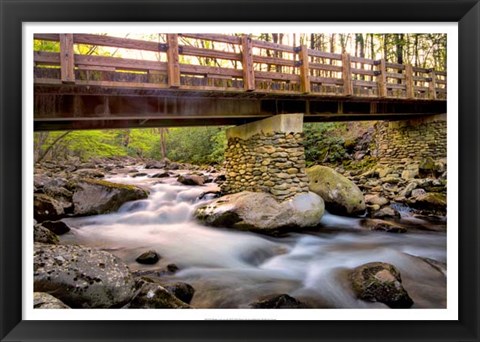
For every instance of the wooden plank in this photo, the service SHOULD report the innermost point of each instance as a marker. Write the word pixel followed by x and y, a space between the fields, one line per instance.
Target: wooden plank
pixel 355 59
pixel 324 54
pixel 247 64
pixel 420 78
pixel 441 73
pixel 432 85
pixel 326 80
pixel 95 68
pixel 409 84
pixel 54 37
pixel 438 81
pixel 382 79
pixel 277 76
pixel 363 72
pixel 67 64
pixel 395 66
pixel 272 46
pixel 418 69
pixel 360 83
pixel 304 69
pixel 52 58
pixel 395 75
pixel 206 70
pixel 347 75
pixel 396 86
pixel 209 53
pixel 326 67
pixel 273 61
pixel 421 88
pixel 173 64
pixel 222 38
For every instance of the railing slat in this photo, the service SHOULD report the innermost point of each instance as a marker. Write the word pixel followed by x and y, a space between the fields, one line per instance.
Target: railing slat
pixel 304 69
pixel 247 64
pixel 409 81
pixel 432 85
pixel 347 75
pixel 382 79
pixel 67 63
pixel 173 67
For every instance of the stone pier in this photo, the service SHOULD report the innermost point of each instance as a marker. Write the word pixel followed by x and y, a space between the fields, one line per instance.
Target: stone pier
pixel 411 139
pixel 267 156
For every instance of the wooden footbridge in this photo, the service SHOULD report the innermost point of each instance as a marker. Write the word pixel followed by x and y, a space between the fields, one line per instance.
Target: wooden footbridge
pixel 214 79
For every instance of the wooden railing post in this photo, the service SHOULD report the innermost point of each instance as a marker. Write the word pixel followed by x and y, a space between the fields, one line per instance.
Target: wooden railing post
pixel 432 85
pixel 382 79
pixel 304 69
pixel 347 74
pixel 409 84
pixel 67 63
pixel 247 64
pixel 173 62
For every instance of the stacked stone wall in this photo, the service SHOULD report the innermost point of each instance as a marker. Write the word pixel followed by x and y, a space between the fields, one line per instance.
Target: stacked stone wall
pixel 271 162
pixel 414 140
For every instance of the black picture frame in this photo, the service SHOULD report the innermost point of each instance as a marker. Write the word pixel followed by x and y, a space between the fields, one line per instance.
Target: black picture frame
pixel 13 13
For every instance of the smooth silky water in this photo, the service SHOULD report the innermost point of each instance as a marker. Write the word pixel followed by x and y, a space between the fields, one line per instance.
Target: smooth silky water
pixel 230 269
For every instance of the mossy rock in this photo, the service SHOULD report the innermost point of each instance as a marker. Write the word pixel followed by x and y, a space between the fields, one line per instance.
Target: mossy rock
pixel 94 196
pixel 341 195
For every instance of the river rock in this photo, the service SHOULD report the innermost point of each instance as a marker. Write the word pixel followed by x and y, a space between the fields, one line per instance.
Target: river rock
pixel 182 291
pixel 161 175
pixel 375 199
pixel 341 195
pixel 148 258
pixel 93 197
pixel 380 282
pixel 283 301
pixel 47 208
pixel 89 173
pixel 154 296
pixel 387 212
pixel 261 212
pixel 381 225
pixel 42 300
pixel 430 201
pixel 82 277
pixel 57 227
pixel 44 235
pixel 191 179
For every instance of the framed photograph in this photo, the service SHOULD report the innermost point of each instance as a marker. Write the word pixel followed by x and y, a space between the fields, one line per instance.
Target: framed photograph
pixel 277 171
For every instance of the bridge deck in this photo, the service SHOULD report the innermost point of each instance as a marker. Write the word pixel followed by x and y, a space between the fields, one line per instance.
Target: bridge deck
pixel 250 80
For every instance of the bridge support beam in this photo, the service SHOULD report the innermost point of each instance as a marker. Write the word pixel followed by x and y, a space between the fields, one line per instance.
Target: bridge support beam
pixel 267 156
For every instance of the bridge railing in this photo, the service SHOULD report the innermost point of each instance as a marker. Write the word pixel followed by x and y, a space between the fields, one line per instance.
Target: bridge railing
pixel 233 64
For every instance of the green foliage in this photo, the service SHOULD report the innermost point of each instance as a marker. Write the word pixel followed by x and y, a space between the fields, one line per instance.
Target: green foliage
pixel 198 145
pixel 324 142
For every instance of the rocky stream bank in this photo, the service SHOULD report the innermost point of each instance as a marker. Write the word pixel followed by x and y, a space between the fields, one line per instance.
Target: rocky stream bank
pixel 68 274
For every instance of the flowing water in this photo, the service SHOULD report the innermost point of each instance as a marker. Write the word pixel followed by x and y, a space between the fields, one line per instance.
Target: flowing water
pixel 230 269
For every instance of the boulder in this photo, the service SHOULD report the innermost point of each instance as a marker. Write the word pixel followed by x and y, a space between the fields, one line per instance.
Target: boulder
pixel 92 196
pixel 82 277
pixel 191 179
pixel 148 258
pixel 380 282
pixel 261 212
pixel 417 192
pixel 42 300
pixel 380 225
pixel 44 235
pixel 282 301
pixel 57 227
pixel 341 195
pixel 161 175
pixel 47 208
pixel 89 173
pixel 155 296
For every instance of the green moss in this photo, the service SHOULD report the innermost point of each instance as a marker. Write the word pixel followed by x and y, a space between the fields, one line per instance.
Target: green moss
pixel 112 185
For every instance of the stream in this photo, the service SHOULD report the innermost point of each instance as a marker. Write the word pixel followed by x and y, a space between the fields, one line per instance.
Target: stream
pixel 231 269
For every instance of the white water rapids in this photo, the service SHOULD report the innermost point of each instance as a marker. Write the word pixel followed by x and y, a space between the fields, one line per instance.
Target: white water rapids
pixel 230 269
